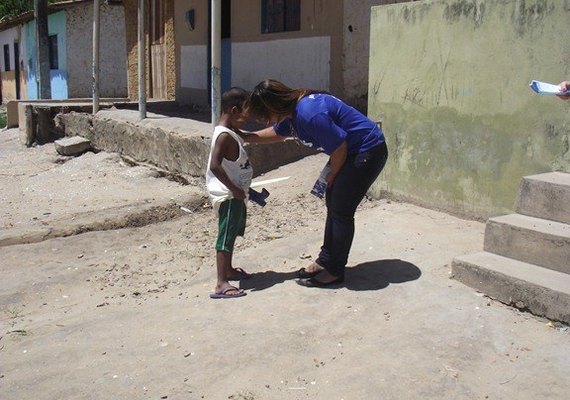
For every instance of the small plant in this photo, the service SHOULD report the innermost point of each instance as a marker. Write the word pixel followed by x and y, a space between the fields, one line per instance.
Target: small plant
pixel 2 118
pixel 13 315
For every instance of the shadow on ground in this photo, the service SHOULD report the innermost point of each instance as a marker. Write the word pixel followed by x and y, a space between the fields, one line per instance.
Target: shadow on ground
pixel 376 275
pixel 371 275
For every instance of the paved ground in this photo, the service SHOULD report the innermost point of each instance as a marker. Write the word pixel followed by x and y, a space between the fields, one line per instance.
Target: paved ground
pixel 125 313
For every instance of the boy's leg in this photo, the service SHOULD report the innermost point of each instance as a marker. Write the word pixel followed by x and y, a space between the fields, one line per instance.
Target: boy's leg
pixel 231 223
pixel 223 263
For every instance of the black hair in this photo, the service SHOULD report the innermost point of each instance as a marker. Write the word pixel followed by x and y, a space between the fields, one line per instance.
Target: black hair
pixel 235 97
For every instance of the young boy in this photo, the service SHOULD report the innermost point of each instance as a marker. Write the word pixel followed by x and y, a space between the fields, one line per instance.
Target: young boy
pixel 228 179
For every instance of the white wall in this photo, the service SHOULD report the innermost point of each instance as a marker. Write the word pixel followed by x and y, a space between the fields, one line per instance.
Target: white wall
pixel 301 62
pixel 194 67
pixel 8 37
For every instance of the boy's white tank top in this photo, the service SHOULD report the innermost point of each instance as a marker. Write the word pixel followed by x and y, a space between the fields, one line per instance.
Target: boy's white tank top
pixel 239 171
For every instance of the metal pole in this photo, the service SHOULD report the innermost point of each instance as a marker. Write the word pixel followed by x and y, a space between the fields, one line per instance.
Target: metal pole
pixel 216 59
pixel 141 60
pixel 96 24
pixel 42 49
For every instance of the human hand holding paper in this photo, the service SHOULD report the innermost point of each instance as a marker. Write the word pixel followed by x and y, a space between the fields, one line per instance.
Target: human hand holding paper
pixel 565 87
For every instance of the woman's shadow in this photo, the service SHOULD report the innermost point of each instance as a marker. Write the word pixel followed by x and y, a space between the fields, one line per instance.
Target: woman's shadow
pixel 371 275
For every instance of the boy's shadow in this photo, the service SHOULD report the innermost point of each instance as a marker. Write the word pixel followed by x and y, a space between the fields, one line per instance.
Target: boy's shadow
pixel 264 280
pixel 371 275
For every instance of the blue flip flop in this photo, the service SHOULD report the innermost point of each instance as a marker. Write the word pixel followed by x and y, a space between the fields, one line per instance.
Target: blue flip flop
pixel 224 293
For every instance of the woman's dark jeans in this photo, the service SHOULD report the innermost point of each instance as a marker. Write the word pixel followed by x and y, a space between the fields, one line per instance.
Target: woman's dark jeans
pixel 349 188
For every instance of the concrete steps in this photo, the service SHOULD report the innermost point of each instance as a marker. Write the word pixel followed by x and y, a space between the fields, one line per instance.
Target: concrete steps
pixel 545 196
pixel 526 286
pixel 526 257
pixel 538 241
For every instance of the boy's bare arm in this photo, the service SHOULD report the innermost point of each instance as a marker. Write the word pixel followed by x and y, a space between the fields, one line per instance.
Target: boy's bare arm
pixel 267 135
pixel 223 149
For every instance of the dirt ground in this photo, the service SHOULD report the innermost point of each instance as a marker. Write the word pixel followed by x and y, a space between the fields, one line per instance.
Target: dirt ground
pixel 105 283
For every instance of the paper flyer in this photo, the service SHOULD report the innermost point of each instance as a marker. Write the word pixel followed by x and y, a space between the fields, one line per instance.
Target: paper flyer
pixel 546 88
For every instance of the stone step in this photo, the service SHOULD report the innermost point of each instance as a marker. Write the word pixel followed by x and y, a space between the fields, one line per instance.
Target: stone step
pixel 72 146
pixel 533 240
pixel 545 196
pixel 526 286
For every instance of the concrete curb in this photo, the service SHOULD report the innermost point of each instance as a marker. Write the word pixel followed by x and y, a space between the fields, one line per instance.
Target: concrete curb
pixel 176 145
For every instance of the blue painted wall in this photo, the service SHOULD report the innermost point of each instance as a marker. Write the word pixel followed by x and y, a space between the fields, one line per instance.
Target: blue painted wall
pixel 58 77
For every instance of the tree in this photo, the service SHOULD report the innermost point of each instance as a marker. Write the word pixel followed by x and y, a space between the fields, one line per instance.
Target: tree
pixel 13 8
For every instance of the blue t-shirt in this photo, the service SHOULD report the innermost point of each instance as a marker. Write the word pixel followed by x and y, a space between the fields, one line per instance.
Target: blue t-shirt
pixel 322 121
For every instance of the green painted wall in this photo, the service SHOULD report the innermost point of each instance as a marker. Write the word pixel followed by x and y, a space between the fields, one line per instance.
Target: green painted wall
pixel 449 80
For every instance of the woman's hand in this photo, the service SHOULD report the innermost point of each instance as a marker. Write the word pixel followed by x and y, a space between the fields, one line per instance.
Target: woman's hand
pixel 337 160
pixel 267 135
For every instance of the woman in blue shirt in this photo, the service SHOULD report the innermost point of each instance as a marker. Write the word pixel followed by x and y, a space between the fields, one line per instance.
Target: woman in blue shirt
pixel 357 151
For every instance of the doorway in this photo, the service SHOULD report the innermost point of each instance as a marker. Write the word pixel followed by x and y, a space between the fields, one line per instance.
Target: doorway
pixel 17 68
pixel 157 73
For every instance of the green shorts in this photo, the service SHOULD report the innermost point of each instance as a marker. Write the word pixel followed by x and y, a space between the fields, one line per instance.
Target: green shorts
pixel 231 224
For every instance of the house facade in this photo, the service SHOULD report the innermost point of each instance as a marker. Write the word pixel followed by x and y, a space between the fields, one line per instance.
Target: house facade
pixel 57 57
pixel 304 43
pixel 70 30
pixel 12 78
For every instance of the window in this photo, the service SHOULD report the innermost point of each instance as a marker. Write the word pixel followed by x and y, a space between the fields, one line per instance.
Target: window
pixel 226 19
pixel 280 15
pixel 6 57
pixel 53 59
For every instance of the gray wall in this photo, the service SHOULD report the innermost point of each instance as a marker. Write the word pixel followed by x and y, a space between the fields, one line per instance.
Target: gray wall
pixel 449 79
pixel 113 51
pixel 355 49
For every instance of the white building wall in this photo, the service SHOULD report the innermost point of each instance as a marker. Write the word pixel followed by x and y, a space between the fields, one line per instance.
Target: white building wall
pixel 300 62
pixel 194 67
pixel 112 53
pixel 8 37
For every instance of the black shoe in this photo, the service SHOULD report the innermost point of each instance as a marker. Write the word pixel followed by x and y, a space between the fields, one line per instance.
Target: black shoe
pixel 312 282
pixel 303 274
